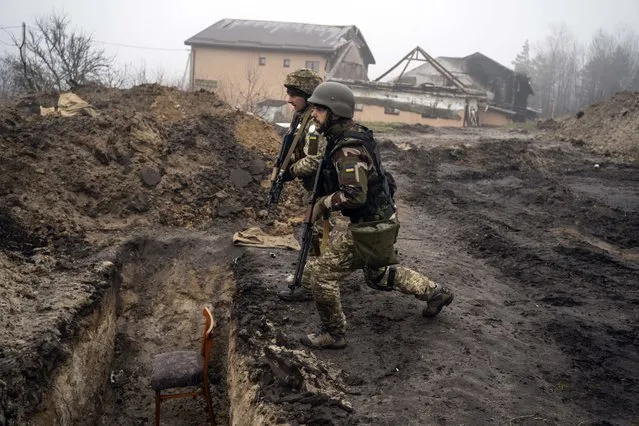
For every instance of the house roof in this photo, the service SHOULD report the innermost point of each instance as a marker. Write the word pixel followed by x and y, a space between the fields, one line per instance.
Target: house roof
pixel 470 70
pixel 427 74
pixel 273 35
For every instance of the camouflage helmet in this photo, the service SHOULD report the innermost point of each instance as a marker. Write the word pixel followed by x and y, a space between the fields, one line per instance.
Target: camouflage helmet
pixel 305 80
pixel 335 96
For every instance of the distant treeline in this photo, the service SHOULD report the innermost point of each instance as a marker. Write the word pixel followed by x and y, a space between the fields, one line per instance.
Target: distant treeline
pixel 566 74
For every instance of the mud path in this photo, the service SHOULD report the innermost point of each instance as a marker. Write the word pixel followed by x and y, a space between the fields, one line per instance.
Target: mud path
pixel 544 265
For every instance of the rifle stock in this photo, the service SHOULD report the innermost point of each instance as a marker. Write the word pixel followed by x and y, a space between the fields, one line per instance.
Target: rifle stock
pixel 307 237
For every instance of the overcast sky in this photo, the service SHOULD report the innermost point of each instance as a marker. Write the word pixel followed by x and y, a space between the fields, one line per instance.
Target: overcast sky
pixel 497 28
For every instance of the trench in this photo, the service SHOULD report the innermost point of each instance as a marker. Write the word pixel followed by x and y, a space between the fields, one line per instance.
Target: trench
pixel 159 286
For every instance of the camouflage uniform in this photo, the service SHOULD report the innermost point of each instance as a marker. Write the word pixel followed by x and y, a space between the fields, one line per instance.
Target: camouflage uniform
pixel 334 265
pixel 309 151
pixel 307 155
pixel 357 180
pixel 354 165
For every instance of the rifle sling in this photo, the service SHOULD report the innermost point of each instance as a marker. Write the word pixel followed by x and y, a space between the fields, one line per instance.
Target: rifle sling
pixel 289 154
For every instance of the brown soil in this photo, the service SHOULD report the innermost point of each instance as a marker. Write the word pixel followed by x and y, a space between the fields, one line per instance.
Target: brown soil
pixel 538 239
pixel 74 190
pixel 542 251
pixel 609 126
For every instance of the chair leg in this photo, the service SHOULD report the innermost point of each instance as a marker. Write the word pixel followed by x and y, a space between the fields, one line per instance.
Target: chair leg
pixel 207 396
pixel 158 401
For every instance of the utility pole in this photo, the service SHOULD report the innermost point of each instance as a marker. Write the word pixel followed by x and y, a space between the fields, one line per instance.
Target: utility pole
pixel 22 58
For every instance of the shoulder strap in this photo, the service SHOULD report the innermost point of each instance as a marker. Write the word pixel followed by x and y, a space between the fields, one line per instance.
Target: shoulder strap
pixel 367 141
pixel 305 118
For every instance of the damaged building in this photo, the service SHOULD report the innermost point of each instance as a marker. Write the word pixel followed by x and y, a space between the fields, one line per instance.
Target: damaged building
pixel 403 99
pixel 429 105
pixel 246 61
pixel 506 91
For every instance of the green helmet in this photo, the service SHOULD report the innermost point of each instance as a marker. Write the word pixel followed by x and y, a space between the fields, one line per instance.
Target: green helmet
pixel 335 96
pixel 305 80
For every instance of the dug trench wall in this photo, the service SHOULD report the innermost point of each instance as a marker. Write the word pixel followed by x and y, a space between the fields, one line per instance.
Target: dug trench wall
pixel 57 375
pixel 146 299
pixel 74 394
pixel 152 160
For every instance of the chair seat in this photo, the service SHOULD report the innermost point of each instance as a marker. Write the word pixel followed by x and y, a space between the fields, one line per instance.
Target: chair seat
pixel 177 369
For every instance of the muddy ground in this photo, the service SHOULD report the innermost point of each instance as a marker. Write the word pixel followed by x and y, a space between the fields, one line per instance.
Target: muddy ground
pixel 541 248
pixel 537 236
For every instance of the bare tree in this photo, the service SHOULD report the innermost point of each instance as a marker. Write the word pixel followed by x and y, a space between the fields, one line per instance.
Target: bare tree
pixel 554 72
pixel 522 62
pixel 8 88
pixel 129 75
pixel 565 76
pixel 255 91
pixel 248 94
pixel 612 64
pixel 115 77
pixel 55 56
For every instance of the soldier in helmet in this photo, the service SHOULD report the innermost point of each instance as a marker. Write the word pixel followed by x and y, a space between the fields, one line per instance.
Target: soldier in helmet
pixel 308 152
pixel 356 185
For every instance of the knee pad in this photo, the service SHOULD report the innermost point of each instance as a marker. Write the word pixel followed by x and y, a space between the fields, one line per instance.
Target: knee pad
pixel 390 282
pixel 374 282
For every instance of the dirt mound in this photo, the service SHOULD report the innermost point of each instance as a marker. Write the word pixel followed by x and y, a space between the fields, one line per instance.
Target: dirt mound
pixel 73 188
pixel 153 156
pixel 610 126
pixel 548 124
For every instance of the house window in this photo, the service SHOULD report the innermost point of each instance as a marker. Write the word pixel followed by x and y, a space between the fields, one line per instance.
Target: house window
pixel 391 110
pixel 287 63
pixel 359 107
pixel 313 65
pixel 262 60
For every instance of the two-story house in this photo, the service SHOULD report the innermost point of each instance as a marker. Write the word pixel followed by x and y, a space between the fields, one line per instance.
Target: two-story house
pixel 245 62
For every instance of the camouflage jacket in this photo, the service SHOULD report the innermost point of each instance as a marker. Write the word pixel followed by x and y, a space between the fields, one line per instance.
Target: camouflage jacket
pixel 352 182
pixel 309 151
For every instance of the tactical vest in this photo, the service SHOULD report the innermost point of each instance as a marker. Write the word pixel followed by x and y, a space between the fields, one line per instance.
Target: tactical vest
pixel 381 185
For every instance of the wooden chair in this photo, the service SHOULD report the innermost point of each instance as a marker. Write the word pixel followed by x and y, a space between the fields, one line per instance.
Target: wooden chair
pixel 184 369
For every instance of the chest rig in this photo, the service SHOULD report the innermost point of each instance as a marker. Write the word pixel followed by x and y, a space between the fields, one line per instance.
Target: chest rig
pixel 381 186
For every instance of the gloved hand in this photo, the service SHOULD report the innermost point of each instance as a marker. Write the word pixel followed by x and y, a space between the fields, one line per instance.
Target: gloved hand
pixel 287 176
pixel 319 210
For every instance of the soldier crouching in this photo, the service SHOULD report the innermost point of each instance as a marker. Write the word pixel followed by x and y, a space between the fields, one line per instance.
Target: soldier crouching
pixel 356 184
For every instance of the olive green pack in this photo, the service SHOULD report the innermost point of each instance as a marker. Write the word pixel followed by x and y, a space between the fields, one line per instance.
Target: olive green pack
pixel 374 243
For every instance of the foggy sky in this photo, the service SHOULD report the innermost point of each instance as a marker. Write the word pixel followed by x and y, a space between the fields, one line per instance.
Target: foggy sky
pixel 497 28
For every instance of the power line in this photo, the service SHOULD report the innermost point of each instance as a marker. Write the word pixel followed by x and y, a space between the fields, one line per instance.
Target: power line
pixel 141 47
pixel 107 43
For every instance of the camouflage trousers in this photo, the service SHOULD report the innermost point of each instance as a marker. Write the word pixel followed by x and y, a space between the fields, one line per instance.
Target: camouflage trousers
pixel 323 274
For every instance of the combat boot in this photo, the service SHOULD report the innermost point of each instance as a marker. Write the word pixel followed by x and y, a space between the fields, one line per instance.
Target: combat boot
pixel 300 294
pixel 323 339
pixel 441 297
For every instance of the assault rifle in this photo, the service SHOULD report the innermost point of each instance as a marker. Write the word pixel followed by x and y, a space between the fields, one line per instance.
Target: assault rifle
pixel 307 237
pixel 289 143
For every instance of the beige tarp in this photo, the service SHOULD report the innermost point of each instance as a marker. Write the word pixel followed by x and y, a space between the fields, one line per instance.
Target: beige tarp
pixel 70 104
pixel 255 237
